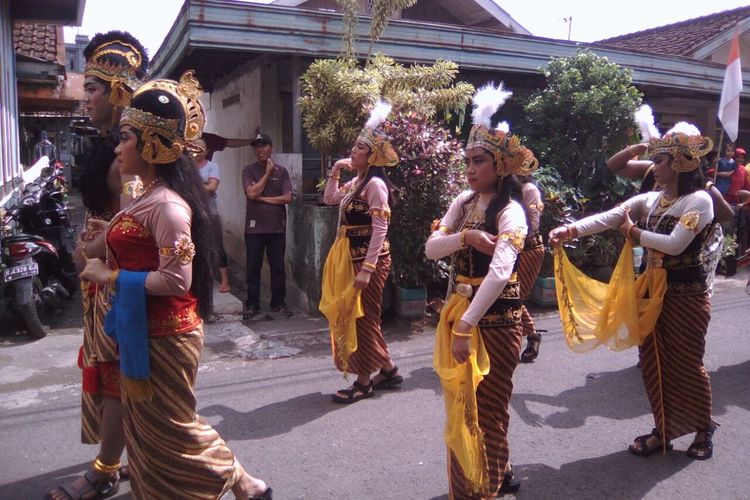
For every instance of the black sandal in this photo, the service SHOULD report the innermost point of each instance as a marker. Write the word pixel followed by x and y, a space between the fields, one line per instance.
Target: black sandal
pixel 266 495
pixel 643 450
pixel 509 484
pixel 532 346
pixel 365 391
pixel 104 488
pixel 703 450
pixel 390 379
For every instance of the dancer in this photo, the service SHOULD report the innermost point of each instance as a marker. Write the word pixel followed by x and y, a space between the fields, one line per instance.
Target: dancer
pixel 478 339
pixel 529 264
pixel 158 270
pixel 669 312
pixel 116 64
pixel 359 261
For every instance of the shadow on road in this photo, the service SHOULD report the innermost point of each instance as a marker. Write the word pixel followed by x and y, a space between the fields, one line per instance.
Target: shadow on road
pixel 620 395
pixel 620 475
pixel 38 486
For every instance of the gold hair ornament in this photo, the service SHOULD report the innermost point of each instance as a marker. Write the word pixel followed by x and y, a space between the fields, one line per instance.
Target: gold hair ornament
pixel 686 150
pixel 511 157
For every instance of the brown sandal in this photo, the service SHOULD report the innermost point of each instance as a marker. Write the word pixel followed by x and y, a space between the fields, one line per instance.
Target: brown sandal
pixel 349 397
pixel 532 346
pixel 102 488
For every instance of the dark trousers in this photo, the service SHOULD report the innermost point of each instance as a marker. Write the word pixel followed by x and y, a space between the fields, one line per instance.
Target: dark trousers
pixel 274 244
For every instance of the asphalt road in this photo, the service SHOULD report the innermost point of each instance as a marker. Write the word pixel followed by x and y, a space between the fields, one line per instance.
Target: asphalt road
pixel 572 416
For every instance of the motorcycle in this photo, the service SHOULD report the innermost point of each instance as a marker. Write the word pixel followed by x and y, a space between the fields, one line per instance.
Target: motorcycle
pixel 21 289
pixel 43 212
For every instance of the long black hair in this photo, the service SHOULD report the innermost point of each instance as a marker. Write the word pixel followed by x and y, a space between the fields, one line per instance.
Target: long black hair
pixel 688 182
pixel 182 177
pixel 380 173
pixel 95 192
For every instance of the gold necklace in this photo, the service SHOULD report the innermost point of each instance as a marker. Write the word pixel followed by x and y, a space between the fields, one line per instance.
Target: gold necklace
pixel 665 203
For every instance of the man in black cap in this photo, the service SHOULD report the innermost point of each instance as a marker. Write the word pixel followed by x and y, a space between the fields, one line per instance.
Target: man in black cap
pixel 268 190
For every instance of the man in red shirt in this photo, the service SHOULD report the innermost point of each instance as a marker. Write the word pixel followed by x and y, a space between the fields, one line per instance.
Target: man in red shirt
pixel 268 190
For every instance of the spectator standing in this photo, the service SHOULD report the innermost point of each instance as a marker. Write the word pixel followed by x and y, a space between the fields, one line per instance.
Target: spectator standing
pixel 725 169
pixel 209 172
pixel 268 190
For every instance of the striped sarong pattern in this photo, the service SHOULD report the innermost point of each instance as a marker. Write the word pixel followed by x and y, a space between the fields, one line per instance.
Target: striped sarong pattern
pixel 676 381
pixel 493 400
pixel 529 264
pixel 372 351
pixel 98 347
pixel 172 452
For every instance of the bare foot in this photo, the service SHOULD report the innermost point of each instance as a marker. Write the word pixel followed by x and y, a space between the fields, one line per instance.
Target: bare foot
pixel 249 487
pixel 225 288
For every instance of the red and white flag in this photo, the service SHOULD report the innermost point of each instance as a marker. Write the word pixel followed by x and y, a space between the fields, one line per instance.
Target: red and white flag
pixel 729 106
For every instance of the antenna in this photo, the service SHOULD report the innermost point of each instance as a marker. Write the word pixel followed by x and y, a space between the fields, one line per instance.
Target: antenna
pixel 569 20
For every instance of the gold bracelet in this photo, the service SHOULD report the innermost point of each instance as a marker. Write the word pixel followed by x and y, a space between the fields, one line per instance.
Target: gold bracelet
pixel 83 250
pixel 334 177
pixel 463 238
pixel 112 281
pixel 461 335
pixel 369 266
pixel 103 468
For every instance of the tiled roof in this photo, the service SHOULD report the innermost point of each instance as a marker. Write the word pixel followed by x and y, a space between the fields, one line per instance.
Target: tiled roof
pixel 680 39
pixel 40 41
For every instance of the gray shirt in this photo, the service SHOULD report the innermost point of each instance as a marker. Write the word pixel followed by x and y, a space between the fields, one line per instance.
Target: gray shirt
pixel 210 171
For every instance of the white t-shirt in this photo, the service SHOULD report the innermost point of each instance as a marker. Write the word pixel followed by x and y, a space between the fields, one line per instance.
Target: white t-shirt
pixel 210 171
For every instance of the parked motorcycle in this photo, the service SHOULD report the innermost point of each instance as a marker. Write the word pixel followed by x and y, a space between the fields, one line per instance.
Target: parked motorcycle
pixel 43 212
pixel 21 289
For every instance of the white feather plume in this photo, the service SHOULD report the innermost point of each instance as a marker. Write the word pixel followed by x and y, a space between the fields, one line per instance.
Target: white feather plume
pixel 486 102
pixel 644 117
pixel 503 127
pixel 378 114
pixel 684 128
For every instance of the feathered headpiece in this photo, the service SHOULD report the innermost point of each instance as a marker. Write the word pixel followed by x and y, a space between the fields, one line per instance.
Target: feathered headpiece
pixel 510 156
pixel 119 58
pixel 683 142
pixel 382 153
pixel 169 110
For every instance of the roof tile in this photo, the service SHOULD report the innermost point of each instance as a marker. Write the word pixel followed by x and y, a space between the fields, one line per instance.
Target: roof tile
pixel 37 40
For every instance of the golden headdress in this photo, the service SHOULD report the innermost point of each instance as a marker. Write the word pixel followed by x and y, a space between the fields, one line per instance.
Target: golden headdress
pixel 119 58
pixel 511 157
pixel 166 111
pixel 683 142
pixel 383 154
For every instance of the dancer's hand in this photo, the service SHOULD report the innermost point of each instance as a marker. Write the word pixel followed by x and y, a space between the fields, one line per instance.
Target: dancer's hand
pixel 96 271
pixel 638 149
pixel 362 280
pixel 560 235
pixel 461 346
pixel 344 163
pixel 481 241
pixel 626 225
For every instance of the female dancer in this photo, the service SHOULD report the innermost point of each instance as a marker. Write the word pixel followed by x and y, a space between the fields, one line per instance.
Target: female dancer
pixel 479 335
pixel 359 261
pixel 158 271
pixel 529 264
pixel 672 224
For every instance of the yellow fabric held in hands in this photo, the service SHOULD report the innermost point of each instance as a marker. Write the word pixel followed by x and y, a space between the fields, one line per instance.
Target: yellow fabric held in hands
pixel 341 303
pixel 619 314
pixel 463 435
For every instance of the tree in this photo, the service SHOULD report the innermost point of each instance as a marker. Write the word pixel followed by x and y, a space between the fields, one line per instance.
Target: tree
pixel 582 116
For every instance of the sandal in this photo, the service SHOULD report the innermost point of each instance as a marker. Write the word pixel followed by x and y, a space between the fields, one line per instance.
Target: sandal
pixel 124 473
pixel 703 450
pixel 642 450
pixel 509 484
pixel 365 391
pixel 532 346
pixel 390 379
pixel 102 488
pixel 266 495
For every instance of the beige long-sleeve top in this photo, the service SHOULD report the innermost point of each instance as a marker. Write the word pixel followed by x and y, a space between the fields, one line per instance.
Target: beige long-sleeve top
pixel 375 193
pixel 511 225
pixel 532 198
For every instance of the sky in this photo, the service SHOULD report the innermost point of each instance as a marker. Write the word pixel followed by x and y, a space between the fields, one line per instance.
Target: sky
pixel 150 20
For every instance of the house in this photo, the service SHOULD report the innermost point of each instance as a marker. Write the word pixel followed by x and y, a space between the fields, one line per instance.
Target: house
pixel 36 65
pixel 249 58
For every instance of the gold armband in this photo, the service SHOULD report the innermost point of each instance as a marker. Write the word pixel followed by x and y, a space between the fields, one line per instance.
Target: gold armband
pixel 461 335
pixel 183 249
pixel 369 267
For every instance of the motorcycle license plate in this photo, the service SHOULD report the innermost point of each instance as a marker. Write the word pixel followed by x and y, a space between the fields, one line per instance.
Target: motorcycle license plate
pixel 22 271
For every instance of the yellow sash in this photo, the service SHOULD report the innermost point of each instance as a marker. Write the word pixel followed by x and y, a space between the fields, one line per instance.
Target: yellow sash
pixel 619 314
pixel 341 303
pixel 460 381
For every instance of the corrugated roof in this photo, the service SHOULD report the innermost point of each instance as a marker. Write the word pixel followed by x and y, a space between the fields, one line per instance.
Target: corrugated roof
pixel 680 39
pixel 40 41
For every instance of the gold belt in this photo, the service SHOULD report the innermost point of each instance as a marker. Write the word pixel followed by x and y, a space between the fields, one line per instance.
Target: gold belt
pixel 465 285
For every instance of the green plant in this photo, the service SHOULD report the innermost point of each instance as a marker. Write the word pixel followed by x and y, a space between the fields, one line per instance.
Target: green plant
pixel 582 116
pixel 729 246
pixel 429 176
